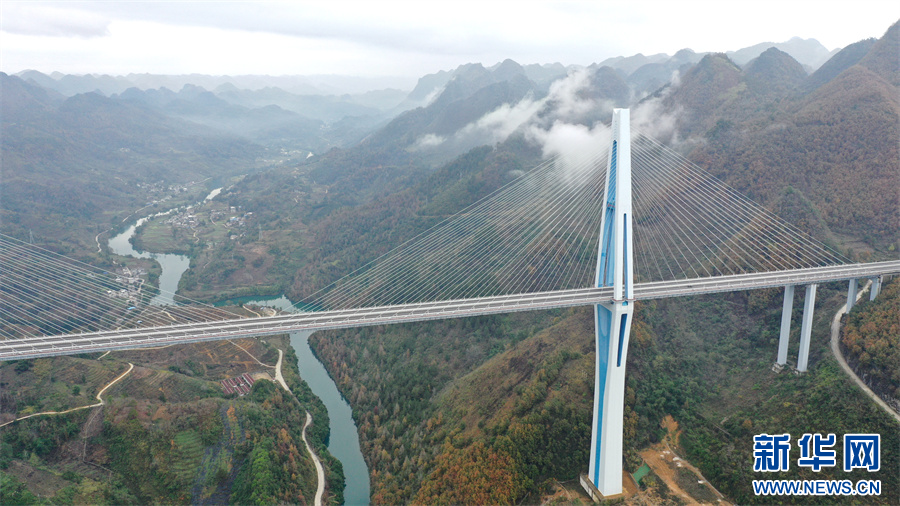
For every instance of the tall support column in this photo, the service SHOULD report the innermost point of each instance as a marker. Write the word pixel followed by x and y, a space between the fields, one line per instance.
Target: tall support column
pixel 851 294
pixel 809 304
pixel 615 268
pixel 876 287
pixel 785 336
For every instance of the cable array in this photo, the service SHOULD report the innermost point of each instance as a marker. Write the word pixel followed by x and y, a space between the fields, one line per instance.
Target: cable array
pixel 537 233
pixel 540 233
pixel 689 224
pixel 44 293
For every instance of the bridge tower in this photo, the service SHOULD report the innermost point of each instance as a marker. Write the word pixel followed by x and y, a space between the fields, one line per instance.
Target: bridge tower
pixel 615 268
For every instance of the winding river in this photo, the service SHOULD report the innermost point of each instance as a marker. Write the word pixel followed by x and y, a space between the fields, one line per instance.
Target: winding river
pixel 173 266
pixel 343 442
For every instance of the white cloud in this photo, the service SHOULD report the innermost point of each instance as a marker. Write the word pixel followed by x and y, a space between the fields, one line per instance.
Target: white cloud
pixel 429 141
pixel 504 120
pixel 412 39
pixel 566 98
pixel 650 117
pixel 578 147
pixel 52 21
pixel 564 101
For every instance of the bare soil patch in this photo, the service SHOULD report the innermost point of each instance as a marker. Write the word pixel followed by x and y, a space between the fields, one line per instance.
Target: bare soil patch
pixel 683 479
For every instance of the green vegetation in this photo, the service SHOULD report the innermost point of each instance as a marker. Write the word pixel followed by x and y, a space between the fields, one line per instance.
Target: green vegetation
pixel 12 492
pixel 166 434
pixel 705 360
pixel 53 384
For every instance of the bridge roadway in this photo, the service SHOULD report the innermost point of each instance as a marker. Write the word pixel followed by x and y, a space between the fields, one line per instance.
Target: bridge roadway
pixel 71 344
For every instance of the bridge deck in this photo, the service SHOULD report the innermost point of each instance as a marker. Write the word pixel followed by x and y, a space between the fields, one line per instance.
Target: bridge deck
pixel 71 344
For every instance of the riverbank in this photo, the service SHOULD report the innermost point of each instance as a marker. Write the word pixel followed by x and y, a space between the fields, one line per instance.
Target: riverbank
pixel 343 442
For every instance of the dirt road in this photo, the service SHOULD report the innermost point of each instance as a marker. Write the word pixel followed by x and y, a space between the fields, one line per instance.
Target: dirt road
pixel 835 337
pixel 111 383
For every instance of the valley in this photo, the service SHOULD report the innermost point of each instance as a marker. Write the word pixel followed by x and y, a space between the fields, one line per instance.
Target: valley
pixel 489 409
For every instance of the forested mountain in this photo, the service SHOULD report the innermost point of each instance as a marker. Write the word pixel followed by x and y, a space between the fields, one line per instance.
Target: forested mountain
pixel 495 409
pixel 835 145
pixel 491 408
pixel 871 341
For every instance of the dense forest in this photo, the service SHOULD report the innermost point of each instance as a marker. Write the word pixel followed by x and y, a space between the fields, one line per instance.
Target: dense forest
pixel 870 340
pixel 518 390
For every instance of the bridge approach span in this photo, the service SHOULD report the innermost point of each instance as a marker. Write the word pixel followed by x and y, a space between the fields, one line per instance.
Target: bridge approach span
pixel 71 344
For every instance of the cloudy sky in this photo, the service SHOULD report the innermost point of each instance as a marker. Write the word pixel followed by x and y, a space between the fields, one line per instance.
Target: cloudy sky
pixel 393 38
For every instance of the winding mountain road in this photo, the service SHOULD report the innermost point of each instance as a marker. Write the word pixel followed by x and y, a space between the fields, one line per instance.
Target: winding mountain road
pixel 835 337
pixel 101 403
pixel 320 471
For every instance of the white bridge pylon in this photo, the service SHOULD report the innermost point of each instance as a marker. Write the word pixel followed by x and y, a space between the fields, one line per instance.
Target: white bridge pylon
pixel 615 268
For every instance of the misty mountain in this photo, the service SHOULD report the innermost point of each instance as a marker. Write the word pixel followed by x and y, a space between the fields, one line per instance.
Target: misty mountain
pixel 429 84
pixel 467 107
pixel 370 107
pixel 422 138
pixel 300 85
pixel 69 85
pixel 607 84
pixel 472 92
pixel 844 59
pixel 628 64
pixel 269 125
pixel 324 108
pixel 543 75
pixel 646 73
pixel 81 158
pixel 652 76
pixel 809 52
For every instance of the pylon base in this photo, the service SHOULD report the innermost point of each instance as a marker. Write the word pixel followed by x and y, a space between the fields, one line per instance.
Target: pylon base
pixel 595 494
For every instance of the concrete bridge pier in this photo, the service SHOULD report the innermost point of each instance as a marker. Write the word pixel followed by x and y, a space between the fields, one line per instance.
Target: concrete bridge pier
pixel 784 337
pixel 876 287
pixel 809 303
pixel 851 294
pixel 786 309
pixel 613 328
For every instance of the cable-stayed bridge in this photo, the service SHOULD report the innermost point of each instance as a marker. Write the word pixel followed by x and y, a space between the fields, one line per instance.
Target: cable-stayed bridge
pixel 36 347
pixel 664 229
